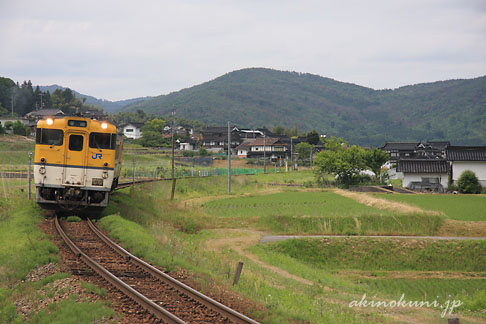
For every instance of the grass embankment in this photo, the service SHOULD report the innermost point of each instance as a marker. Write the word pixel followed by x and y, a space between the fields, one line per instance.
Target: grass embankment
pixel 457 207
pixel 385 254
pixel 321 213
pixel 388 268
pixel 23 248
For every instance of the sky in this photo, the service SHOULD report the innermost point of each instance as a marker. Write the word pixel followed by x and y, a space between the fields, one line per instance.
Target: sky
pixel 125 49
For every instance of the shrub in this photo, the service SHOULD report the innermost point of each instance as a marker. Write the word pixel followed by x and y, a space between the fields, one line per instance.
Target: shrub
pixel 188 153
pixel 468 183
pixel 203 152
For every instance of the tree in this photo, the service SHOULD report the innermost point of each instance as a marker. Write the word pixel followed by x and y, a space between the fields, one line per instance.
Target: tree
pixel 20 129
pixel 313 137
pixel 203 152
pixel 346 162
pixel 374 159
pixel 304 150
pixel 468 183
pixel 155 125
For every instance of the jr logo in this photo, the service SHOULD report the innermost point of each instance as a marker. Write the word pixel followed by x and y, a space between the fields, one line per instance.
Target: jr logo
pixel 97 156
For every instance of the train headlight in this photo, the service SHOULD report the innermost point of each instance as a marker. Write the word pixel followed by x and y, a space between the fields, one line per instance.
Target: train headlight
pixel 104 125
pixel 49 121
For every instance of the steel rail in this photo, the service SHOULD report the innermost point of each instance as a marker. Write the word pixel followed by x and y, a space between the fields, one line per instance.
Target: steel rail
pixel 196 295
pixel 140 299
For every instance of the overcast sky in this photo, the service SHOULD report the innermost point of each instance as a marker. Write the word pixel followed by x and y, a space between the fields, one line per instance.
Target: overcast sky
pixel 124 49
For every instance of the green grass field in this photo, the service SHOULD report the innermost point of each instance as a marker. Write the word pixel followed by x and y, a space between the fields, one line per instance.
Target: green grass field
pixel 458 207
pixel 322 212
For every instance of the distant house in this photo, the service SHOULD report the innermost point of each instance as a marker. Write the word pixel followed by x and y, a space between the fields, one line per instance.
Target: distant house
pixel 132 130
pixel 425 171
pixel 189 145
pixel 43 113
pixel 415 150
pixel 215 139
pixel 274 148
pixel 243 149
pixel 464 158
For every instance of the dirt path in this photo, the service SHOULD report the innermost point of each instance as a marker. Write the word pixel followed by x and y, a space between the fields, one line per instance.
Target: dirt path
pixel 239 240
pixel 379 203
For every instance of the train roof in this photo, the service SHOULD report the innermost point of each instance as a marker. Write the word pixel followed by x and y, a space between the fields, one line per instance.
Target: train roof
pixel 92 125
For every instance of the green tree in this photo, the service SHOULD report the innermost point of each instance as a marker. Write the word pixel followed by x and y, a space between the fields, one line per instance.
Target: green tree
pixel 2 129
pixel 313 137
pixel 20 129
pixel 468 183
pixel 374 159
pixel 304 150
pixel 341 160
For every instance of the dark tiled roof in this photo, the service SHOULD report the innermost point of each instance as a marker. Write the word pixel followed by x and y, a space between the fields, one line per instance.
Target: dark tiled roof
pixel 265 141
pixel 423 166
pixel 466 153
pixel 400 146
pixel 138 125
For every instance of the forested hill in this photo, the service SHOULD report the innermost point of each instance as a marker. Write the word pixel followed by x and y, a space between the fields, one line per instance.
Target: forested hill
pixel 107 105
pixel 452 110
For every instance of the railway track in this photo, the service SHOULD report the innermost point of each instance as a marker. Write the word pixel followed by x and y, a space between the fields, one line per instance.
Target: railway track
pixel 166 298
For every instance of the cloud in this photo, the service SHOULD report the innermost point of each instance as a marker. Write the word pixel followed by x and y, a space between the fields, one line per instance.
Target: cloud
pixel 117 49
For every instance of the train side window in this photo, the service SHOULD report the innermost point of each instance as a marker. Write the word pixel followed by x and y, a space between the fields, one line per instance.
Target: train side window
pixel 102 141
pixel 48 136
pixel 75 142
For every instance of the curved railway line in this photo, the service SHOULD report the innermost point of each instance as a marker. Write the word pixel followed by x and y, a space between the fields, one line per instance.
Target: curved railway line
pixel 166 298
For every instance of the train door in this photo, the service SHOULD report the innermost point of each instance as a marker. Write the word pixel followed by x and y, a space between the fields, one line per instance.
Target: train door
pixel 75 159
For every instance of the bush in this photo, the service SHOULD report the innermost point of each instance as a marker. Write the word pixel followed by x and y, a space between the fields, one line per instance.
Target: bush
pixel 188 153
pixel 203 152
pixel 468 183
pixel 20 129
pixel 2 129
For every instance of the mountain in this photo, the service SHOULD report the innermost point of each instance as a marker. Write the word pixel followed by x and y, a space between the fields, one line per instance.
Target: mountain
pixel 452 110
pixel 108 106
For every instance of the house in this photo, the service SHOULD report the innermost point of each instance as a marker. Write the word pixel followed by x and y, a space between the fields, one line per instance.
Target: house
pixel 215 139
pixel 189 145
pixel 431 173
pixel 43 113
pixel 242 149
pixel 132 130
pixel 400 150
pixel 272 147
pixel 464 158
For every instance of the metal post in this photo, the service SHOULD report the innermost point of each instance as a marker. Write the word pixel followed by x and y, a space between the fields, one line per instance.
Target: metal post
pixel 29 177
pixel 229 158
pixel 133 175
pixel 310 158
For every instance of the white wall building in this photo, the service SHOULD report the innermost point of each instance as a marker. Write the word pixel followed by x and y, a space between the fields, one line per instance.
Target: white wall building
pixel 132 130
pixel 425 171
pixel 464 158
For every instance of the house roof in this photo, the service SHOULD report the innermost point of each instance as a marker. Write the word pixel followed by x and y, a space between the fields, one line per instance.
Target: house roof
pixel 466 153
pixel 245 145
pixel 138 125
pixel 389 146
pixel 45 112
pixel 423 166
pixel 269 141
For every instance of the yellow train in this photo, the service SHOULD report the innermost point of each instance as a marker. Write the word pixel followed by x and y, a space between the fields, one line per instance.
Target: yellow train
pixel 77 163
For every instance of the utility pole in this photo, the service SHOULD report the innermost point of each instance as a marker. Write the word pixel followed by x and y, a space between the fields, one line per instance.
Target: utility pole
pixel 291 154
pixel 229 158
pixel 173 173
pixel 133 175
pixel 29 177
pixel 41 94
pixel 264 153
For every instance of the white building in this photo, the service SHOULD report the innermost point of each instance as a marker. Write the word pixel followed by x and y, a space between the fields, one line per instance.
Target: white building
pixel 464 158
pixel 132 130
pixel 429 171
